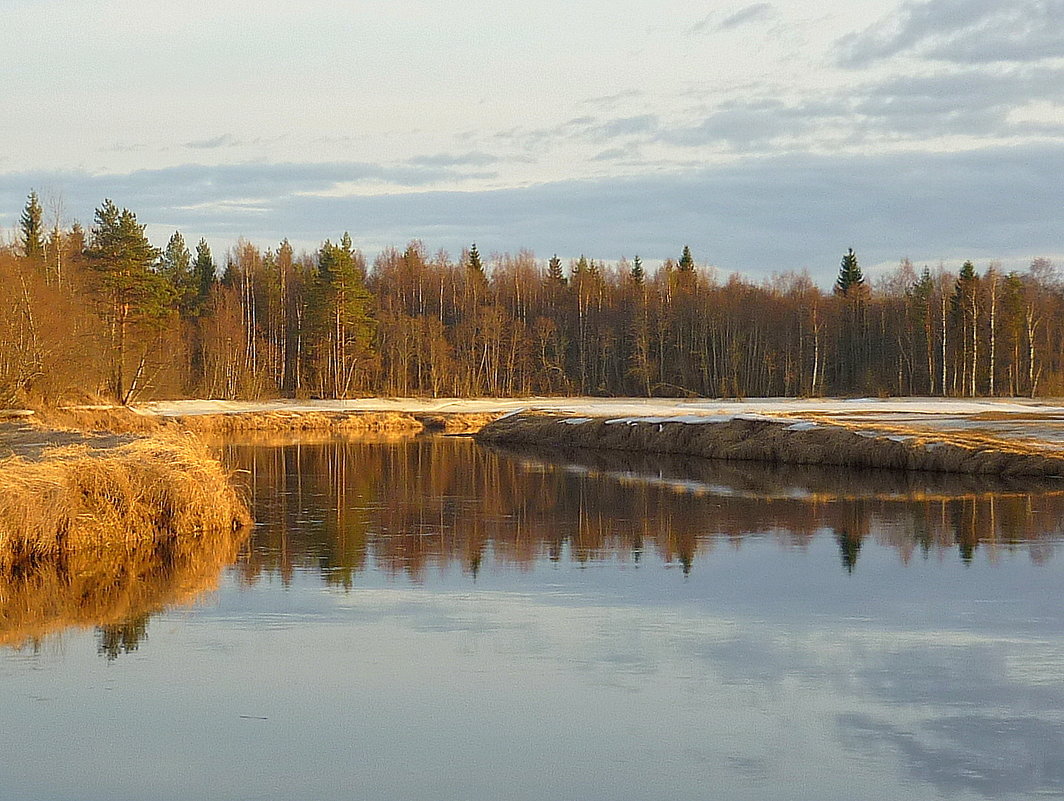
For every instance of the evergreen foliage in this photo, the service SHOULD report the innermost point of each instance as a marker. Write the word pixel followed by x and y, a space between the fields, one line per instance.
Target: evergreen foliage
pixel 133 293
pixel 175 265
pixel 31 228
pixel 637 275
pixel 850 276
pixel 687 261
pixel 554 271
pixel 204 275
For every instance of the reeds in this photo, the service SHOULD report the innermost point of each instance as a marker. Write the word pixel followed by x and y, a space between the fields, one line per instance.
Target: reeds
pixel 150 489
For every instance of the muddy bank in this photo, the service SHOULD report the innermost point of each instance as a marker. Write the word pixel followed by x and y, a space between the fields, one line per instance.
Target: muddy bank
pixel 751 438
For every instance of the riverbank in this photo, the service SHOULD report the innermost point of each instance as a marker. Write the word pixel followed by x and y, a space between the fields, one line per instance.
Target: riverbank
pixel 64 490
pixel 809 438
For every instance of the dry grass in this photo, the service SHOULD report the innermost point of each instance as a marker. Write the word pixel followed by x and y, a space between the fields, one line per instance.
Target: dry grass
pixel 299 421
pixel 112 419
pixel 146 490
pixel 457 422
pixel 769 441
pixel 340 422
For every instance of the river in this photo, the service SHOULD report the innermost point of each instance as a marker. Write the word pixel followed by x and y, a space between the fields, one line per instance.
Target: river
pixel 424 618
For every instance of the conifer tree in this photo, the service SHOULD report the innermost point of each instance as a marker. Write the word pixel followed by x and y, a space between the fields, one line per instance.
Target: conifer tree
pixel 204 275
pixel 579 269
pixel 554 271
pixel 637 275
pixel 343 314
pixel 474 263
pixel 849 274
pixel 31 228
pixel 687 262
pixel 133 293
pixel 175 265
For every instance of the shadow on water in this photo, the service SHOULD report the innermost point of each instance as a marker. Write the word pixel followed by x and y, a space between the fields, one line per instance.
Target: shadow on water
pixel 405 506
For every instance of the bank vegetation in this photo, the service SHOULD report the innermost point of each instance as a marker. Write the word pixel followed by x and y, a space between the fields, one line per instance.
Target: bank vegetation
pixel 99 313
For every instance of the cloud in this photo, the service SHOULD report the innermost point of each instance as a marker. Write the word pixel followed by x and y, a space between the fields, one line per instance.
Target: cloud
pixel 471 159
pixel 750 13
pixel 625 126
pixel 758 215
pixel 225 140
pixel 983 102
pixel 963 32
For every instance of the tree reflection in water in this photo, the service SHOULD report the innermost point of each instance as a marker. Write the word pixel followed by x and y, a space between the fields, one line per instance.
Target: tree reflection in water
pixel 115 589
pixel 409 505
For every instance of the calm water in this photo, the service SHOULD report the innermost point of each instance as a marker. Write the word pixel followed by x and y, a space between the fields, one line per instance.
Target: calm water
pixel 426 619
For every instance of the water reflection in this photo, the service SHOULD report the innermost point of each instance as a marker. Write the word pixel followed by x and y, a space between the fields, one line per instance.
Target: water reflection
pixel 411 505
pixel 115 589
pixel 574 666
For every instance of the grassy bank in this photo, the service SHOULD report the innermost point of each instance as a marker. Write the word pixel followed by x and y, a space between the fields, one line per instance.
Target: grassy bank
pixel 126 490
pixel 780 442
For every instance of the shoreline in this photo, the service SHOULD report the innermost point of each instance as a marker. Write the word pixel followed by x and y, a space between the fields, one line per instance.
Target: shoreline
pixel 65 491
pixel 800 440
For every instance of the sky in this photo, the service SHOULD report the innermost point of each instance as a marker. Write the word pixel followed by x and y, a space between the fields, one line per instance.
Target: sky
pixel 767 136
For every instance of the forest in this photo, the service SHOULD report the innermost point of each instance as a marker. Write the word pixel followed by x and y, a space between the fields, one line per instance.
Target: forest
pixel 103 315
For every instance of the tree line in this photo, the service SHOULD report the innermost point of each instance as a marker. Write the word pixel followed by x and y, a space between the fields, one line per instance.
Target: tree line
pixel 104 313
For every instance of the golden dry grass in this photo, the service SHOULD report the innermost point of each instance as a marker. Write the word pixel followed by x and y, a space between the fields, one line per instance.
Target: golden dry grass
pixel 299 421
pixel 457 422
pixel 341 422
pixel 148 489
pixel 112 419
pixel 770 441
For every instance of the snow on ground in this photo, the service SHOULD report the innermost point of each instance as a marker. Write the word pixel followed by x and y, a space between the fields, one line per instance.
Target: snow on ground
pixel 1020 419
pixel 618 407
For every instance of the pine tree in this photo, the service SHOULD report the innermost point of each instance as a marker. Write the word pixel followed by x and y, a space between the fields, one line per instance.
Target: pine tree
pixel 849 274
pixel 123 258
pixel 32 228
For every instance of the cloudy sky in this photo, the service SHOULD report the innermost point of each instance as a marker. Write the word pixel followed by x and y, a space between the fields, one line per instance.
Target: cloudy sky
pixel 769 136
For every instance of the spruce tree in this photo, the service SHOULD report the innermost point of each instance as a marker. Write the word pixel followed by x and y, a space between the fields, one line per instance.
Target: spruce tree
pixel 343 313
pixel 474 263
pixel 204 275
pixel 31 227
pixel 554 271
pixel 579 269
pixel 175 265
pixel 849 274
pixel 687 262
pixel 637 275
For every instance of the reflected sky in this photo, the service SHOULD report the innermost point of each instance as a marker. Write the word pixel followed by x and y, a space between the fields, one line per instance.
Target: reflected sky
pixel 479 624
